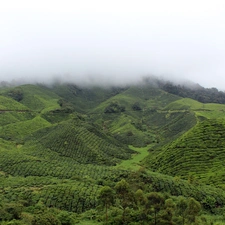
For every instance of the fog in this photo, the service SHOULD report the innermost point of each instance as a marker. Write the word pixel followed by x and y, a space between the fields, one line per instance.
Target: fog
pixel 112 42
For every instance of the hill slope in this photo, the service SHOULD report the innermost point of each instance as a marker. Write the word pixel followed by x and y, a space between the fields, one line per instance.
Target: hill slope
pixel 60 145
pixel 200 151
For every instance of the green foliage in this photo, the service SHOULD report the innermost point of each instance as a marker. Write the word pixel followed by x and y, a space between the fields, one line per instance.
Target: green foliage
pixel 10 117
pixel 72 142
pixel 136 106
pixel 8 104
pixel 10 211
pixel 193 209
pixel 199 151
pixel 114 107
pixel 45 219
pixel 194 91
pixel 154 201
pixel 39 97
pixel 22 128
pixel 106 197
pixel 84 99
pixel 66 218
pixel 137 157
pixel 151 207
pixel 62 153
pixel 16 94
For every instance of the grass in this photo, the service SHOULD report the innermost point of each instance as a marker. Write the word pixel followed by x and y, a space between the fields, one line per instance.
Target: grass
pixel 134 162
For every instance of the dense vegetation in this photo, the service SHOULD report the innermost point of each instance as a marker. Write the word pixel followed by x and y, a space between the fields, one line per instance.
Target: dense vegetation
pixel 144 154
pixel 204 95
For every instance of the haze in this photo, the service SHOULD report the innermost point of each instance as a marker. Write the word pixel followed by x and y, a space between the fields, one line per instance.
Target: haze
pixel 113 41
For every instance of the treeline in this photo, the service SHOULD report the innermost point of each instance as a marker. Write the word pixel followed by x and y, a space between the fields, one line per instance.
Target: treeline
pixel 117 204
pixel 18 213
pixel 122 205
pixel 201 94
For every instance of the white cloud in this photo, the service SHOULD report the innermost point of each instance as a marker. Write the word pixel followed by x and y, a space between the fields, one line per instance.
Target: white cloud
pixel 113 40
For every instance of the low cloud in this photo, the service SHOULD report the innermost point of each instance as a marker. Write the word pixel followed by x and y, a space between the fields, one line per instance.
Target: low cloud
pixel 115 43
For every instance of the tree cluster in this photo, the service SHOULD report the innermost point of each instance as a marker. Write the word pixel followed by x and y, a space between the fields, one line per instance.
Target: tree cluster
pixel 201 94
pixel 122 205
pixel 114 107
pixel 16 94
pixel 17 213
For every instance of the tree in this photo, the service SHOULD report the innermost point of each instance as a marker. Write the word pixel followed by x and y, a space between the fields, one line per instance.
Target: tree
pixel 9 211
pixel 182 208
pixel 65 218
pixel 16 94
pixel 114 107
pixel 140 201
pixel 156 201
pixel 140 198
pixel 209 203
pixel 106 197
pixel 170 208
pixel 45 219
pixel 193 209
pixel 136 106
pixel 188 208
pixel 124 193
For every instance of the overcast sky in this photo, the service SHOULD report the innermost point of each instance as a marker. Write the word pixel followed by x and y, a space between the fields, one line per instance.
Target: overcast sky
pixel 113 40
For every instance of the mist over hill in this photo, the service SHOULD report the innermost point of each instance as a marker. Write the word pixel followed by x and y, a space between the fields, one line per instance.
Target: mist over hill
pixel 183 88
pixel 112 112
pixel 63 144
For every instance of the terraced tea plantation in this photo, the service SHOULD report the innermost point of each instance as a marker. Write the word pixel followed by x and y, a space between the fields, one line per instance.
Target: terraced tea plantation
pixel 117 155
pixel 199 152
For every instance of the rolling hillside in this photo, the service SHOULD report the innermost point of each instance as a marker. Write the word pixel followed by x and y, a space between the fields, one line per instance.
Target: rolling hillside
pixel 199 151
pixel 61 144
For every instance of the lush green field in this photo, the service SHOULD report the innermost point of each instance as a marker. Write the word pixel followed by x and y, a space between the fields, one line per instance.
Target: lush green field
pixel 156 155
pixel 135 162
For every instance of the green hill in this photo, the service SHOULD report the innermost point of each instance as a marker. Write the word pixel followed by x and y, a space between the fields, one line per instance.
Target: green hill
pixel 62 145
pixel 83 143
pixel 130 115
pixel 199 152
pixel 207 110
pixel 8 104
pixel 84 98
pixel 34 97
pixel 20 130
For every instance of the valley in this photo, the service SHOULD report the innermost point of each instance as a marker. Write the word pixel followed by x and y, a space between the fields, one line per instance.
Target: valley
pixel 64 147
